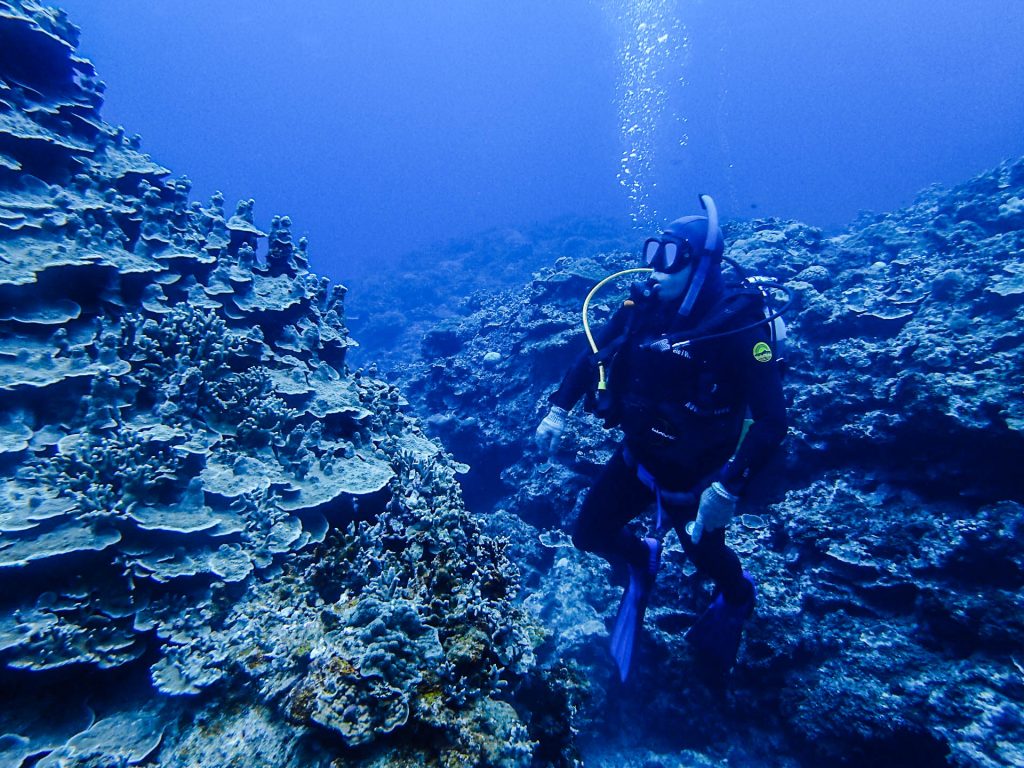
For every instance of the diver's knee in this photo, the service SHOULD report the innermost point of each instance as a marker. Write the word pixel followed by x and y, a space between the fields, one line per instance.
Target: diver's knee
pixel 710 547
pixel 583 541
pixel 587 539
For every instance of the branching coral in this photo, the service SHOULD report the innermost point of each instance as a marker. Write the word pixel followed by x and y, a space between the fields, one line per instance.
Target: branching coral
pixel 109 473
pixel 185 343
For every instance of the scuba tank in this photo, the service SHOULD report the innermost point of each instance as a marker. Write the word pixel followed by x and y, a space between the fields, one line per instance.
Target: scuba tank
pixel 776 324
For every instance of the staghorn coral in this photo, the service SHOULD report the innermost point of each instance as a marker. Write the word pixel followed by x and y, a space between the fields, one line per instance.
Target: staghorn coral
pixel 107 473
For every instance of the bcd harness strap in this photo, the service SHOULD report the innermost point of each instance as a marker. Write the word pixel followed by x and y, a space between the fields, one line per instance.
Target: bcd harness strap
pixel 676 498
pixel 662 496
pixel 719 317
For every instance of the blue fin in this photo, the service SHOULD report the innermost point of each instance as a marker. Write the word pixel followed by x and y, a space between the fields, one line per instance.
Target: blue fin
pixel 715 637
pixel 631 610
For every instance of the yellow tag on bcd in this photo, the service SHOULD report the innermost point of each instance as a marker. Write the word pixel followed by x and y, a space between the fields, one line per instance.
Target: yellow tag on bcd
pixel 762 352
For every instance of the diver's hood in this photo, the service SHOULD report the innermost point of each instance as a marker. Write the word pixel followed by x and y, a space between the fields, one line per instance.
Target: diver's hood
pixel 694 231
pixel 704 237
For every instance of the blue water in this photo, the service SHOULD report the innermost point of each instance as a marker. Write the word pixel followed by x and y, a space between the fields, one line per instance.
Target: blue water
pixel 382 127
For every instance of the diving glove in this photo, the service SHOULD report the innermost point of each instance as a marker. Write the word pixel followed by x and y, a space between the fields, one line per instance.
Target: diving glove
pixel 717 506
pixel 550 430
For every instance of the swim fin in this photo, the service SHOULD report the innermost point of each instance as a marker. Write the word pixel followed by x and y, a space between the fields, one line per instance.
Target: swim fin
pixel 631 610
pixel 715 637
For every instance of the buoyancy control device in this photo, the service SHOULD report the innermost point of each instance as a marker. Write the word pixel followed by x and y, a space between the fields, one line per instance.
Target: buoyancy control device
pixel 738 298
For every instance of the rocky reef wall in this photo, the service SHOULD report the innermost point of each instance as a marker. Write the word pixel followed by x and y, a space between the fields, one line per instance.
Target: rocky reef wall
pixel 219 544
pixel 886 537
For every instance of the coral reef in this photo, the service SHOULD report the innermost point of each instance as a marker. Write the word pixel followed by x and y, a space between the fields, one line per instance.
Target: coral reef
pixel 203 510
pixel 221 545
pixel 885 539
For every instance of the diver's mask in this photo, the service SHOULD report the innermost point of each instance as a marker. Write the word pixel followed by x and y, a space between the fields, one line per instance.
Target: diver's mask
pixel 667 254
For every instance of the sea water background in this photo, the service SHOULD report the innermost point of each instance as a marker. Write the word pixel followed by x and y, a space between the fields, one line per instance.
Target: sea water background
pixel 383 126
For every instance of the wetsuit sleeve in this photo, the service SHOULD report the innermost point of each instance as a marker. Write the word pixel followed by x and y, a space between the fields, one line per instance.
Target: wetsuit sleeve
pixel 767 405
pixel 582 374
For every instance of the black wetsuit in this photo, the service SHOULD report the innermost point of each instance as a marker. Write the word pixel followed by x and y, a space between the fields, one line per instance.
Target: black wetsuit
pixel 682 412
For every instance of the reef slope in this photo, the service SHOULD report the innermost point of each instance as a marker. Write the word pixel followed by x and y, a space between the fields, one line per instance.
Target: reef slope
pixel 219 545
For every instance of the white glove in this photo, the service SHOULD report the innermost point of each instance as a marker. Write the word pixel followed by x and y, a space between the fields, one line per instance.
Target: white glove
pixel 550 430
pixel 717 506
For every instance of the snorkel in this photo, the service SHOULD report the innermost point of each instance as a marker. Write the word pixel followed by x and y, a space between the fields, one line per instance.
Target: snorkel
pixel 708 204
pixel 706 260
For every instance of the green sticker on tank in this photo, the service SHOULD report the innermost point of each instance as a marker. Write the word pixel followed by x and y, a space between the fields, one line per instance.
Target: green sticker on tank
pixel 762 352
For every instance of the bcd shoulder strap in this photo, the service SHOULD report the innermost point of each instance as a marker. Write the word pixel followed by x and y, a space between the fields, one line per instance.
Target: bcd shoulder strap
pixel 739 301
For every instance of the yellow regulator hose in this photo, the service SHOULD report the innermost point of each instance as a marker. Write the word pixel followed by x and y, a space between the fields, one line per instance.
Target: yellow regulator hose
pixel 602 383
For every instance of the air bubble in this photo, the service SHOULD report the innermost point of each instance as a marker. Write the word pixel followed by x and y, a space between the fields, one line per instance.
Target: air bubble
pixel 652 41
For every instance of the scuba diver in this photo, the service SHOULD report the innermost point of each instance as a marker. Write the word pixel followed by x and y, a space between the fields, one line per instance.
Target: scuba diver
pixel 689 369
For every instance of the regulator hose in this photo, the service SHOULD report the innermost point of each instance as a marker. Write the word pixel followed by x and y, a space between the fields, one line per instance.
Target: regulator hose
pixel 602 383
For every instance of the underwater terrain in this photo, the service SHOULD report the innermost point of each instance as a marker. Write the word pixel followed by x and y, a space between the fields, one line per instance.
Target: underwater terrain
pixel 229 537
